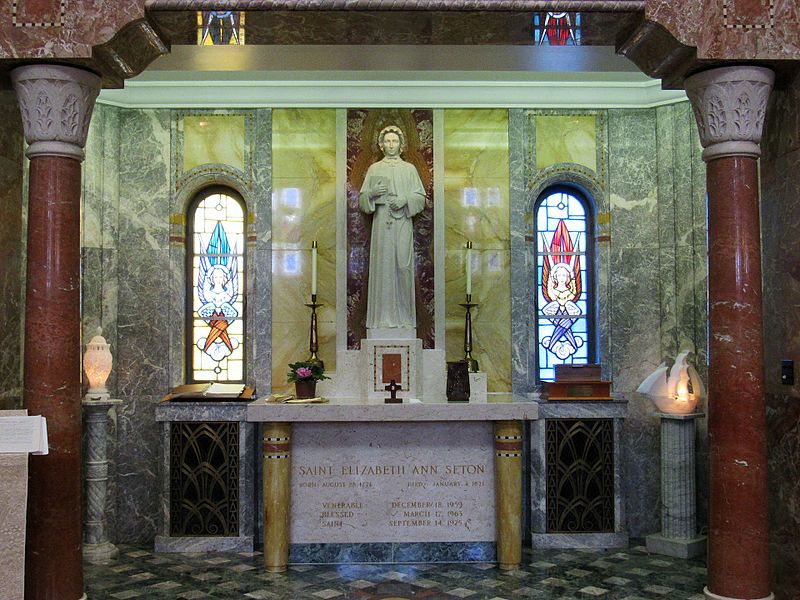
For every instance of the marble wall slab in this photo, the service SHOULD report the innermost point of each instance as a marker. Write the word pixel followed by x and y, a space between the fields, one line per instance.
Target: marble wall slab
pixel 143 340
pixel 213 139
pixel 99 263
pixel 476 197
pixel 566 139
pixel 11 252
pixel 780 214
pixel 303 210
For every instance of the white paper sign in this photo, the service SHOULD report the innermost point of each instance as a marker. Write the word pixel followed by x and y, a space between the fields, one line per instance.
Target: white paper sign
pixel 23 434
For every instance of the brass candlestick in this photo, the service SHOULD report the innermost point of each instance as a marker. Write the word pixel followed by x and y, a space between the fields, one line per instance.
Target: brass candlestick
pixel 313 337
pixel 473 364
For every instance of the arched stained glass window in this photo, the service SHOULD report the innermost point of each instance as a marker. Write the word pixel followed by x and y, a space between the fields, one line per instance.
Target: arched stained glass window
pixel 216 238
pixel 564 280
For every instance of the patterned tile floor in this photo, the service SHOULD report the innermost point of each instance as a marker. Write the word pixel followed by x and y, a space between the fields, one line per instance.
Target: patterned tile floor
pixel 632 574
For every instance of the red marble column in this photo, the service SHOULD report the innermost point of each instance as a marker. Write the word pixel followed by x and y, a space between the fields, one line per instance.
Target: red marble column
pixel 729 104
pixel 56 104
pixel 52 382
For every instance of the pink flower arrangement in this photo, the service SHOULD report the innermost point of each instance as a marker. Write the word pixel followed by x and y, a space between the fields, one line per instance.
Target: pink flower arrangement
pixel 306 370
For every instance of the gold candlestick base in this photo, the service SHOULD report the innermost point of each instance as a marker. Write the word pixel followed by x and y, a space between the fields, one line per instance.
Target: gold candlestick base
pixel 313 337
pixel 468 305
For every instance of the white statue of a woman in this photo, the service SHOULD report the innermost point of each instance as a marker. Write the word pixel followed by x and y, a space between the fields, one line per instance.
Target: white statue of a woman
pixel 393 194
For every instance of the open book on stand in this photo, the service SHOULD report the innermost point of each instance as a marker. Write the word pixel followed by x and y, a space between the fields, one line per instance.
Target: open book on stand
pixel 211 391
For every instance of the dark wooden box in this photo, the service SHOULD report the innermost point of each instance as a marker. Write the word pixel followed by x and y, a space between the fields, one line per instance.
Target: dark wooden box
pixel 578 373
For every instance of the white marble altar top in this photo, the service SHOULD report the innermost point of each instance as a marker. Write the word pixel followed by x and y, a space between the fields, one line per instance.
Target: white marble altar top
pixel 260 411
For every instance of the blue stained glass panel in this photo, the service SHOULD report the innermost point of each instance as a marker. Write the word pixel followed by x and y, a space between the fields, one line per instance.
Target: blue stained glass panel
pixel 562 294
pixel 217 280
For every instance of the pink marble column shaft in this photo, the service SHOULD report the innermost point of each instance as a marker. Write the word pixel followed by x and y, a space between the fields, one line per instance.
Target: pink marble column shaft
pixel 56 104
pixel 729 104
pixel 52 382
pixel 738 556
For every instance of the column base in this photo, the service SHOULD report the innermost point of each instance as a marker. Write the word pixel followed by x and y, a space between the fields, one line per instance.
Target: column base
pixel 713 596
pixel 276 569
pixel 100 554
pixel 689 548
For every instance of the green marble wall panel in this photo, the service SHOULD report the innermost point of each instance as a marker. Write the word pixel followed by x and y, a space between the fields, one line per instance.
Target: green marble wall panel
pixel 476 195
pixel 679 232
pixel 303 210
pixel 99 229
pixel 636 300
pixel 566 139
pixel 135 197
pixel 646 177
pixel 143 340
pixel 213 139
pixel 11 252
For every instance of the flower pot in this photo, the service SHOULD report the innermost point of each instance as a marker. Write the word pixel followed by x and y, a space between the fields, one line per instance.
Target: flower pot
pixel 305 389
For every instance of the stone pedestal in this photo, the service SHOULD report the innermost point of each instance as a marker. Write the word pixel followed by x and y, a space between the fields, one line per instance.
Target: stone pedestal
pixel 678 536
pixel 96 548
pixel 478 384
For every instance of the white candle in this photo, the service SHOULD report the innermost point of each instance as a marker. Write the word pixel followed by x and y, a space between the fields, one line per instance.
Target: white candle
pixel 469 268
pixel 314 268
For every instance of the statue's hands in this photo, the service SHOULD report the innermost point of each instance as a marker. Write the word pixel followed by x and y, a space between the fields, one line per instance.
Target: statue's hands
pixel 379 189
pixel 396 202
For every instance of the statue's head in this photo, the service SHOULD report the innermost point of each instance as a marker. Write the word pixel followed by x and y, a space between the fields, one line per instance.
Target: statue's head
pixel 391 141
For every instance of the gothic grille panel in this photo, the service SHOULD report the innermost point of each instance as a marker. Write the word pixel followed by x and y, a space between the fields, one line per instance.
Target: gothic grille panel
pixel 580 475
pixel 204 479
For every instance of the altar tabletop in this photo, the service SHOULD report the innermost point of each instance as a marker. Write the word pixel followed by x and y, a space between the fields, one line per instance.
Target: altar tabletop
pixel 349 411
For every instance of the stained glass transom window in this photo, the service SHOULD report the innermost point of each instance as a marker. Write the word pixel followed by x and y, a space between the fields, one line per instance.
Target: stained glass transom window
pixel 557 28
pixel 564 319
pixel 220 27
pixel 217 228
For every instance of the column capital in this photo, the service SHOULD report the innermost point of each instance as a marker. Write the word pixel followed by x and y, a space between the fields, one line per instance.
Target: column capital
pixel 729 105
pixel 56 104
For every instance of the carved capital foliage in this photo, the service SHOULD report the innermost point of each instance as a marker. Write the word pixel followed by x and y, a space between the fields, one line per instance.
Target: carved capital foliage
pixel 729 105
pixel 56 104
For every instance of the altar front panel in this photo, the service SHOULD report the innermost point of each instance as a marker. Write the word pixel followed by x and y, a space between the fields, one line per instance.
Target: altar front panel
pixel 386 482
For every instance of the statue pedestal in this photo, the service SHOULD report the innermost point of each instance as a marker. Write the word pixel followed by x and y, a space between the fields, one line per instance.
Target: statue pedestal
pixel 363 374
pixel 384 360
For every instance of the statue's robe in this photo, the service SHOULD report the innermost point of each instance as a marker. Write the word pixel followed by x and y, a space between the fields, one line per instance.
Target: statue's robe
pixel 390 294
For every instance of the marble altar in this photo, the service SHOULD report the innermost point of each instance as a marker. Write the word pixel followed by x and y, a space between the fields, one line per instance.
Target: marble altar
pixel 391 481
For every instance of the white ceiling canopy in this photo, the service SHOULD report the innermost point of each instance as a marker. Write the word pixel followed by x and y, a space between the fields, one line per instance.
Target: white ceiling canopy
pixel 385 75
